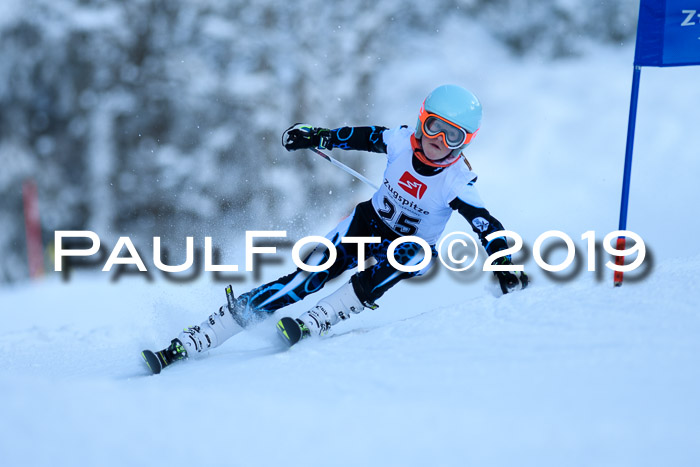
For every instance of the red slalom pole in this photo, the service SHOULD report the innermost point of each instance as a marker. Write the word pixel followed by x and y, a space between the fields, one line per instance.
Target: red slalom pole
pixel 32 226
pixel 619 261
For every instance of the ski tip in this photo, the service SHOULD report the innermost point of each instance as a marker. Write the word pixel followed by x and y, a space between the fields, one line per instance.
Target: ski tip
pixel 288 329
pixel 151 361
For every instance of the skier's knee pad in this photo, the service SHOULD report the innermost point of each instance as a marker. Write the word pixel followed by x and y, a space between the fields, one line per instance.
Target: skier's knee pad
pixel 219 327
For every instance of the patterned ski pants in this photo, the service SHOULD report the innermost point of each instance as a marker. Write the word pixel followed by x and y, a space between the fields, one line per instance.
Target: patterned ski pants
pixel 369 284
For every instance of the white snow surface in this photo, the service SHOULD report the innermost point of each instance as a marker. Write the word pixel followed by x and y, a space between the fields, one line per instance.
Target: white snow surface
pixel 445 372
pixel 575 374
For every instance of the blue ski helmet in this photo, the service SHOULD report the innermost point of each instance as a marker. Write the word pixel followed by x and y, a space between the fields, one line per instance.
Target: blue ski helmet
pixel 456 105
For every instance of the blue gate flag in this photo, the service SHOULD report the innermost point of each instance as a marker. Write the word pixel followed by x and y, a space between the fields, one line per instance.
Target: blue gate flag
pixel 668 33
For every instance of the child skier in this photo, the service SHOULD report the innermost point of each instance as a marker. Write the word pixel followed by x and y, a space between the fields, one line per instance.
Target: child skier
pixel 424 182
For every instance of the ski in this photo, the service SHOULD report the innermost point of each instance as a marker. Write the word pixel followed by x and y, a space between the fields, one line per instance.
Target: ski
pixel 152 361
pixel 156 361
pixel 292 330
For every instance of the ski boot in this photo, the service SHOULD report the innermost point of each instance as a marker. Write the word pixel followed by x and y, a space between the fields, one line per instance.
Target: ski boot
pixel 336 307
pixel 195 340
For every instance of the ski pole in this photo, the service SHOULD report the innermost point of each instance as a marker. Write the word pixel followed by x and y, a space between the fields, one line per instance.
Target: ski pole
pixel 345 168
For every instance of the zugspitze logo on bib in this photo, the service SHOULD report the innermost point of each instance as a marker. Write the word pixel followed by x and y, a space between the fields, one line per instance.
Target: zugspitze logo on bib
pixel 412 185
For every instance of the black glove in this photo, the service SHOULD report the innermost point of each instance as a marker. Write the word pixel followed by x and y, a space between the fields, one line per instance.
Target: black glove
pixel 507 279
pixel 302 136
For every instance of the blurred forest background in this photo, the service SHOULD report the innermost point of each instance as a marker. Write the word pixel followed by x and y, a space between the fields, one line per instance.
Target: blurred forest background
pixel 154 117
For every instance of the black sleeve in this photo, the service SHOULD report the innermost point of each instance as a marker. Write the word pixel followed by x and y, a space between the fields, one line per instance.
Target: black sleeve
pixel 483 224
pixel 360 138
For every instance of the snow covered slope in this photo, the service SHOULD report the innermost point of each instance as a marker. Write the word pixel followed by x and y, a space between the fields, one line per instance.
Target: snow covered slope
pixel 445 372
pixel 580 374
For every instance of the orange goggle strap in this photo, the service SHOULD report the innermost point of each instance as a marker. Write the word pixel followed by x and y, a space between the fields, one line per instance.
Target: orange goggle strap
pixel 418 151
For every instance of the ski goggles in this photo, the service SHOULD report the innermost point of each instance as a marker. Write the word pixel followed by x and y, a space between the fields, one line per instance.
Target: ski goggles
pixel 434 125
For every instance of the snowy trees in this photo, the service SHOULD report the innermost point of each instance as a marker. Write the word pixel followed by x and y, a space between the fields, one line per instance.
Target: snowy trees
pixel 150 117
